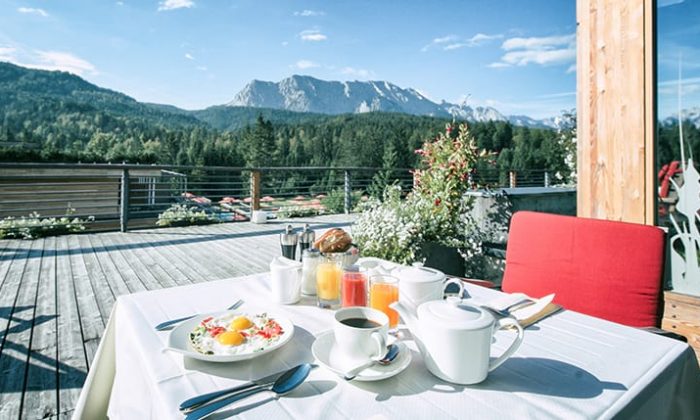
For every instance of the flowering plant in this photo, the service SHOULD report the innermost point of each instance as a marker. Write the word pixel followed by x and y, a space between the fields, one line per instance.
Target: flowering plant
pixel 435 211
pixel 183 215
pixel 34 226
pixel 447 162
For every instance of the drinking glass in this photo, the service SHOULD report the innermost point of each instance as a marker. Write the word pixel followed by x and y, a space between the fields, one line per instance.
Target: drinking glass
pixel 328 275
pixel 383 291
pixel 353 287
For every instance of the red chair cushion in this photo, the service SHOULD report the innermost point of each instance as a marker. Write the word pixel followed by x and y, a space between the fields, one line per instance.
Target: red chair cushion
pixel 611 270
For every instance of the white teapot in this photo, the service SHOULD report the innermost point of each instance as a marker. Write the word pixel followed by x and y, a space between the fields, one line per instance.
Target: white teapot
pixel 455 338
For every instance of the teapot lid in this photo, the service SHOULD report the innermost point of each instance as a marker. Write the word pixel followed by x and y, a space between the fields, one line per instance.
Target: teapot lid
pixel 419 274
pixel 453 313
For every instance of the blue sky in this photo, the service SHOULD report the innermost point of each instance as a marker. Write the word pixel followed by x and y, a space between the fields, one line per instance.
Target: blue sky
pixel 515 55
pixel 678 41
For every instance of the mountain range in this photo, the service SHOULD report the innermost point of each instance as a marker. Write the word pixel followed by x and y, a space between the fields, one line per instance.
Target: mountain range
pixel 296 99
pixel 308 94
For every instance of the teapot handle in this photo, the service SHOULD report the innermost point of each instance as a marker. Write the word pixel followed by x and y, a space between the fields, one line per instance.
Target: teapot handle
pixel 456 281
pixel 504 323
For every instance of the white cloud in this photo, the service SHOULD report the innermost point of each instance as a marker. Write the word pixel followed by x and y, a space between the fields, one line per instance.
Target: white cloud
pixel 120 3
pixel 558 95
pixel 545 51
pixel 666 3
pixel 480 39
pixel 202 68
pixel 175 4
pixel 313 35
pixel 7 54
pixel 667 87
pixel 189 56
pixel 454 42
pixel 538 43
pixel 304 64
pixel 33 11
pixel 310 13
pixel 285 43
pixel 46 60
pixel 542 57
pixel 58 60
pixel 358 73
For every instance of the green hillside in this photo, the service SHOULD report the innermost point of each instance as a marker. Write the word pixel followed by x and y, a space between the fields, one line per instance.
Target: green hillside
pixel 55 116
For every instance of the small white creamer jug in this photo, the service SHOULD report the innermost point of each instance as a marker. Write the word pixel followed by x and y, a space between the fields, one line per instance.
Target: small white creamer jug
pixel 285 280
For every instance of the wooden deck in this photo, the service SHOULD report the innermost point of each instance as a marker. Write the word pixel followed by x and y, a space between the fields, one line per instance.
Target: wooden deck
pixel 56 295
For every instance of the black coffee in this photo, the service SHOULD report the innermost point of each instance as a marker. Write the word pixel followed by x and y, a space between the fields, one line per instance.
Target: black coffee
pixel 360 323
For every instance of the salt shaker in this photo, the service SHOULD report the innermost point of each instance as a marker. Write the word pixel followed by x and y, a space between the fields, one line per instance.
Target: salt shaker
pixel 306 239
pixel 310 259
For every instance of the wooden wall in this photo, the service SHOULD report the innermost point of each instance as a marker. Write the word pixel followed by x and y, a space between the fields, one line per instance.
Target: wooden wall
pixel 615 105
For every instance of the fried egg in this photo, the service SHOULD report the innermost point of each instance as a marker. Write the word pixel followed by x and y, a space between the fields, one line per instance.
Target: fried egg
pixel 235 334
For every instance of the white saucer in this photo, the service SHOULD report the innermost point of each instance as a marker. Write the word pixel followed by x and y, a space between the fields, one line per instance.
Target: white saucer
pixel 326 352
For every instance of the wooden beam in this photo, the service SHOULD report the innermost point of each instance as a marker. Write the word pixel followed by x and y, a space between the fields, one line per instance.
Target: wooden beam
pixel 616 110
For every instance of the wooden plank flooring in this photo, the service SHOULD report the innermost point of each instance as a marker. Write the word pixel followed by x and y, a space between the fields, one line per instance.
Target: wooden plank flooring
pixel 56 295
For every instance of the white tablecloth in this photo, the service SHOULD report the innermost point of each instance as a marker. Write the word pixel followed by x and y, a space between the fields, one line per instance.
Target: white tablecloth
pixel 569 366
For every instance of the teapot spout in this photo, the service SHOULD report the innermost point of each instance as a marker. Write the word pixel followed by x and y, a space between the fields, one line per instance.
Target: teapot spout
pixel 407 315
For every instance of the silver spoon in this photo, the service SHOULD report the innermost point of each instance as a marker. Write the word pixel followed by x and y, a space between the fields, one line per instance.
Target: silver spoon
pixel 164 325
pixel 284 384
pixel 389 357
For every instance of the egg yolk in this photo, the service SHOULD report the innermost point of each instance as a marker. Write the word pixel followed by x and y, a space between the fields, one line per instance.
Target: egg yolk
pixel 230 338
pixel 241 323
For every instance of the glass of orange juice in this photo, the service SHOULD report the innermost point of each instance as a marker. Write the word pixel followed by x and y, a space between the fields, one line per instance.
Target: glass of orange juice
pixel 328 275
pixel 383 291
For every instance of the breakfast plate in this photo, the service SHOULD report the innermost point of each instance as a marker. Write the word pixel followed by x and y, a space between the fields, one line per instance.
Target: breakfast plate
pixel 328 355
pixel 230 336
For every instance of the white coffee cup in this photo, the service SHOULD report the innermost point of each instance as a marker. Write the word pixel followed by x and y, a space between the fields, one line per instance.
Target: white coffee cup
pixel 285 280
pixel 361 343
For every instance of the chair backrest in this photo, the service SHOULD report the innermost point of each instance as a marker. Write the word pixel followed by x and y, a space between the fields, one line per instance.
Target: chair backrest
pixel 611 270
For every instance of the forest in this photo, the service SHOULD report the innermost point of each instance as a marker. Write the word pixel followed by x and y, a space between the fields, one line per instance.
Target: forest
pixel 59 117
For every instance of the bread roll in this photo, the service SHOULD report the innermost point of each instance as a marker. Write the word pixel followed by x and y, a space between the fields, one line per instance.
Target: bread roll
pixel 334 240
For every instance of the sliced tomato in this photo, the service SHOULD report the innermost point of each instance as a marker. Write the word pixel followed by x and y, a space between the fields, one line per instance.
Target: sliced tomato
pixel 216 331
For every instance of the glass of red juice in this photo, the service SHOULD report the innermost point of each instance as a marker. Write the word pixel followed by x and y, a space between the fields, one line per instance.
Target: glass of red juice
pixel 353 287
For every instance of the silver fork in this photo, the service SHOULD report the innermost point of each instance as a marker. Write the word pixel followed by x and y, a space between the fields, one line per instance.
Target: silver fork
pixel 508 310
pixel 167 324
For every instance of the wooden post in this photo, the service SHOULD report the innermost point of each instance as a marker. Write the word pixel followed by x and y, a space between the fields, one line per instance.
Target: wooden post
pixel 255 190
pixel 512 179
pixel 546 179
pixel 616 110
pixel 348 193
pixel 124 202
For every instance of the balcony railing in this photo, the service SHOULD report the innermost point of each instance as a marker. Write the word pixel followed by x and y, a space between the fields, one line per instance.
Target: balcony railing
pixel 124 196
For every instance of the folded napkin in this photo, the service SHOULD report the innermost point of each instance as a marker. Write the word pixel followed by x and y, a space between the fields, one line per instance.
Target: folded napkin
pixel 530 312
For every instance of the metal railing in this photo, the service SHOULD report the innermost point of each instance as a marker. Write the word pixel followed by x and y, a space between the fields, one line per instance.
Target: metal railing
pixel 124 196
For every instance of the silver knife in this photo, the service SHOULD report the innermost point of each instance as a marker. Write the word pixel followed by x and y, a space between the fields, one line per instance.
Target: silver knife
pixel 193 403
pixel 164 325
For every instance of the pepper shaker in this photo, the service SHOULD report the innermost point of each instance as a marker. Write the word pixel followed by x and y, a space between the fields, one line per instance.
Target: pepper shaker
pixel 288 241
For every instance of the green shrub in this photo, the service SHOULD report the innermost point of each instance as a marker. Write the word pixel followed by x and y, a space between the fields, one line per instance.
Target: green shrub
pixel 34 226
pixel 335 201
pixel 185 215
pixel 298 211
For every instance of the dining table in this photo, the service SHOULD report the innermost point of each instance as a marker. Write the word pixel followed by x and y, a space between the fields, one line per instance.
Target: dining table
pixel 569 365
